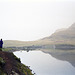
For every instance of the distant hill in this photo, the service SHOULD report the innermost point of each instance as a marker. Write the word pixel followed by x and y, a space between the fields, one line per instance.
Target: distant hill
pixel 15 43
pixel 66 36
pixel 68 33
pixel 62 36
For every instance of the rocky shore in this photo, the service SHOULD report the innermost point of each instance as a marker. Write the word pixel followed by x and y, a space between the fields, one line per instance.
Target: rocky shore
pixel 11 65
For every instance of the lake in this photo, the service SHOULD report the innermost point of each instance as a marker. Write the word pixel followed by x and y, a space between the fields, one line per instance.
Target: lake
pixel 48 62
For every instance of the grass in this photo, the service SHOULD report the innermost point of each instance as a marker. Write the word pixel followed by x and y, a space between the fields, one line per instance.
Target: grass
pixel 18 67
pixel 6 49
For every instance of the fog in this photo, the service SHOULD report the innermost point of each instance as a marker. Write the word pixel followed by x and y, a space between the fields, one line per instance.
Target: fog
pixel 33 20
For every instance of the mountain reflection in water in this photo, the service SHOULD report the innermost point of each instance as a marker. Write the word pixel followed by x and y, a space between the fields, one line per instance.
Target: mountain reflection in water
pixel 65 55
pixel 49 62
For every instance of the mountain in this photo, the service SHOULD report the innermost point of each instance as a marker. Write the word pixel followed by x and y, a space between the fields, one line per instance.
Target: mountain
pixel 66 36
pixel 68 33
pixel 62 36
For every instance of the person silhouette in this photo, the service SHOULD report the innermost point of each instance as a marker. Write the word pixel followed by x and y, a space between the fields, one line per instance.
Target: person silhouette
pixel 1 43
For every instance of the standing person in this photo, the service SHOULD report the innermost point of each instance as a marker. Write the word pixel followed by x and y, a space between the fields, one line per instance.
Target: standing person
pixel 1 43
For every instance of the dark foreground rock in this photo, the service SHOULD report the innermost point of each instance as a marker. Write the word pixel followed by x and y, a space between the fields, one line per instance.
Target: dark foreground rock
pixel 11 65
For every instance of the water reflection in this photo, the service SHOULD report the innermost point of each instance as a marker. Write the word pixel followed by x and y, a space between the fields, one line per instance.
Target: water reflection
pixel 45 62
pixel 64 55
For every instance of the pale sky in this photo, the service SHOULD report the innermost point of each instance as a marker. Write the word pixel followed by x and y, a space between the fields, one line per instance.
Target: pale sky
pixel 28 20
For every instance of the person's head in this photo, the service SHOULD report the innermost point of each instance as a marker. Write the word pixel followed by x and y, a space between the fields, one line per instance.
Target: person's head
pixel 1 39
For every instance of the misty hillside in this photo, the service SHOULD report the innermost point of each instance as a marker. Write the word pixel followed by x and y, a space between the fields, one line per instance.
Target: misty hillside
pixel 66 34
pixel 63 36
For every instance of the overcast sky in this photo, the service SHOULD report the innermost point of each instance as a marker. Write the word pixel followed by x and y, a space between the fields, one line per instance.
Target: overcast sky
pixel 28 20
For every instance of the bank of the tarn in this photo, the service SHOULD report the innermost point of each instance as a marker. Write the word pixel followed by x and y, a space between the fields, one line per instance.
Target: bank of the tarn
pixel 11 65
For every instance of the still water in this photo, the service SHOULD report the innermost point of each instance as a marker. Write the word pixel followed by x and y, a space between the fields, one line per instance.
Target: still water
pixel 48 63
